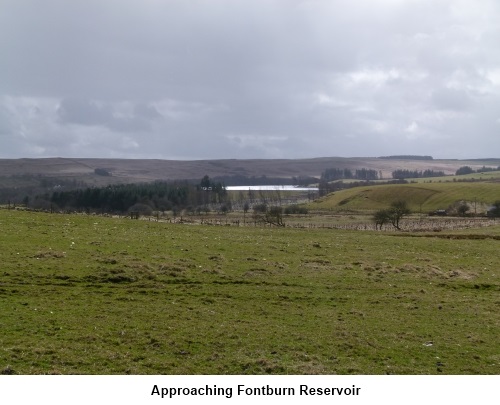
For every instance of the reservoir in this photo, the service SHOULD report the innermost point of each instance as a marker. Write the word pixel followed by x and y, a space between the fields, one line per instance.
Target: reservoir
pixel 270 188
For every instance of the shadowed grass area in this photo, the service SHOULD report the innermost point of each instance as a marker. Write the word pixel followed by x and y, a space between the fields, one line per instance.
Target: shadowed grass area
pixel 92 295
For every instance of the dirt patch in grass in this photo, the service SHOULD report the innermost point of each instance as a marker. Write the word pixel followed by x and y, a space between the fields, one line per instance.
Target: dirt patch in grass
pixel 434 271
pixel 460 274
pixel 116 276
pixel 8 371
pixel 262 366
pixel 49 254
pixel 108 260
pixel 172 269
pixel 216 258
pixel 257 272
pixel 316 264
pixel 126 274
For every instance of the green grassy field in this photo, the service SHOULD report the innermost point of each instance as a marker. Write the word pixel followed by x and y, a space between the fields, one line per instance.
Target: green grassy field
pixel 94 295
pixel 486 176
pixel 424 196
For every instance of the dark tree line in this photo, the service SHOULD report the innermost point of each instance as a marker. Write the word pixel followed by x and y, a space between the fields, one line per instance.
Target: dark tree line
pixel 415 174
pixel 27 187
pixel 242 180
pixel 469 170
pixel 158 196
pixel 341 174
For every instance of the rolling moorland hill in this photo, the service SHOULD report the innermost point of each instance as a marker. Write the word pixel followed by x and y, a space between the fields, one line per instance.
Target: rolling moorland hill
pixel 19 172
pixel 420 196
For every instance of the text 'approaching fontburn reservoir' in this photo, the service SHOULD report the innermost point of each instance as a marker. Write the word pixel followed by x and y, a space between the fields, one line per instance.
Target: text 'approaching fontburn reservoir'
pixel 243 390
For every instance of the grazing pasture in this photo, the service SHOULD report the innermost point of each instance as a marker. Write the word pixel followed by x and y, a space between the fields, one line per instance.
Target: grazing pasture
pixel 93 295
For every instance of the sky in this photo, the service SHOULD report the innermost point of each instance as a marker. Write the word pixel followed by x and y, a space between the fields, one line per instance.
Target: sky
pixel 244 79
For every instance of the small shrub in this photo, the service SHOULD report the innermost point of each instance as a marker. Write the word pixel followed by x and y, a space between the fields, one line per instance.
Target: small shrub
pixel 295 209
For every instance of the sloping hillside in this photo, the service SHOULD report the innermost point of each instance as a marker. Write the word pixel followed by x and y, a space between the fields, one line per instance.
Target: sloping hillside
pixel 419 196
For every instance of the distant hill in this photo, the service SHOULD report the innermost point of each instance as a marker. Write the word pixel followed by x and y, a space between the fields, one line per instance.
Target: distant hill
pixel 407 157
pixel 109 171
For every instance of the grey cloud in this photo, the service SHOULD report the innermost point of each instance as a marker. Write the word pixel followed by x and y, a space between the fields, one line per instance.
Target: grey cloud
pixel 273 78
pixel 451 99
pixel 84 112
pixel 6 124
pixel 91 113
pixel 146 111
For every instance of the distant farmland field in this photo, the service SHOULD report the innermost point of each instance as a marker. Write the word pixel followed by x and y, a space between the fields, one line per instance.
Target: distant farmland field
pixel 93 295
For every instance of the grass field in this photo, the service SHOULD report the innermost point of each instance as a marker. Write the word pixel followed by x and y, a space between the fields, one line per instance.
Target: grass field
pixel 486 176
pixel 94 295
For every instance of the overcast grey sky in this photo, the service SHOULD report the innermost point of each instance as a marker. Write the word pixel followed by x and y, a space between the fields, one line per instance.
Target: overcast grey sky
pixel 206 79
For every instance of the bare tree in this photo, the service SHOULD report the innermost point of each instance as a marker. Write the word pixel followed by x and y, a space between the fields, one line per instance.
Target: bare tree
pixel 380 218
pixel 495 210
pixel 270 215
pixel 246 207
pixel 274 216
pixel 462 209
pixel 397 211
pixel 394 214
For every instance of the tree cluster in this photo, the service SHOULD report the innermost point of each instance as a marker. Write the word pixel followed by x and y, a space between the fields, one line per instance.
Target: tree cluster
pixel 358 174
pixel 460 208
pixel 469 170
pixel 143 198
pixel 295 209
pixel 494 211
pixel 415 174
pixel 102 172
pixel 241 180
pixel 272 215
pixel 26 187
